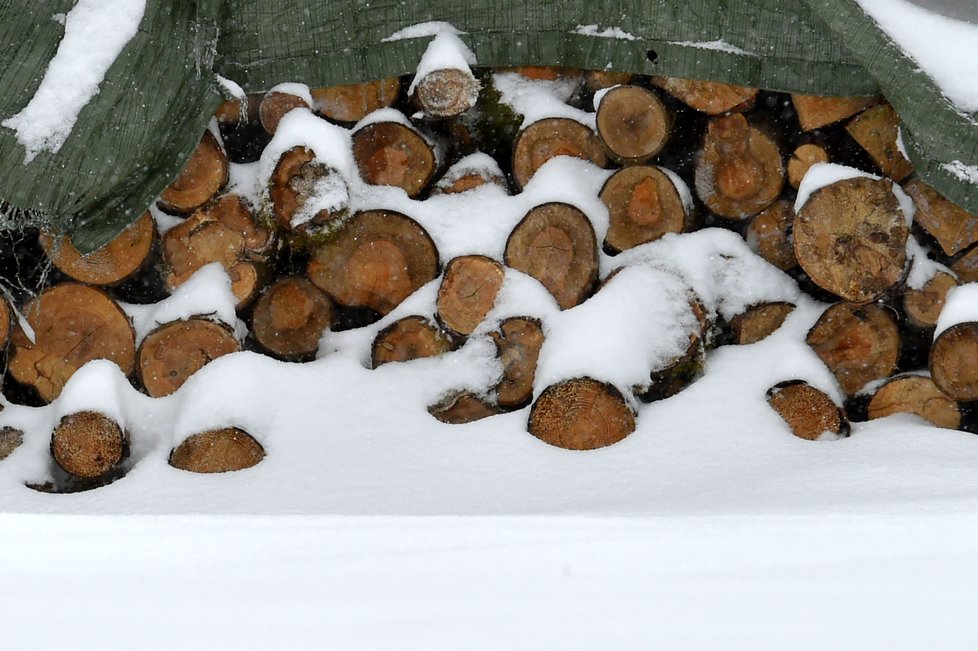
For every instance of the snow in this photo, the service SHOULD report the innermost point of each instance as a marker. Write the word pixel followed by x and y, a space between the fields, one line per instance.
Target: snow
pixel 685 195
pixel 966 173
pixel 820 175
pixel 607 32
pixel 422 30
pixel 960 306
pixel 291 88
pixel 445 52
pixel 96 31
pixel 536 99
pixel 718 45
pixel 233 89
pixel 477 163
pixel 922 268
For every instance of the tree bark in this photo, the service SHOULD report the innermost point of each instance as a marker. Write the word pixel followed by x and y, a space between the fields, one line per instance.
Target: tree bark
pixel 468 291
pixel 643 205
pixel 169 355
pixel 710 97
pixel 552 137
pixel 201 178
pixel 632 123
pixel 413 337
pixel 290 318
pixel 581 414
pixel 391 153
pixel 88 444
pixel 220 450
pixel 808 412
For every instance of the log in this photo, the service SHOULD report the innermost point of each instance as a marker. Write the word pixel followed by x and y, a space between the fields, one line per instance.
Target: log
pixel 759 321
pixel 802 158
pixel 392 153
pixel 351 103
pixel 473 171
pixel 954 361
pixel 966 266
pixel 809 413
pixel 643 205
pixel 915 394
pixel 73 324
pixel 120 259
pixel 555 243
pixel 460 407
pixel 876 130
pixel 632 123
pixel 581 414
pixel 377 260
pixel 850 237
pixel 290 318
pixel 858 343
pixel 552 137
pixel 710 97
pixel 10 440
pixel 595 80
pixel 923 306
pixel 88 444
pixel 677 374
pixel 219 450
pixel 467 292
pixel 446 92
pixel 738 170
pixel 174 351
pixel 767 235
pixel 413 337
pixel 201 178
pixel 815 111
pixel 275 105
pixel 954 228
pixel 309 198
pixel 543 73
pixel 518 343
pixel 5 320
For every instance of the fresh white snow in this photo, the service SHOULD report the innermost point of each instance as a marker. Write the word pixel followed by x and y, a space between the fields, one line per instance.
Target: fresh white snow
pixel 446 51
pixel 536 99
pixel 960 306
pixel 966 173
pixel 718 45
pixel 820 175
pixel 607 32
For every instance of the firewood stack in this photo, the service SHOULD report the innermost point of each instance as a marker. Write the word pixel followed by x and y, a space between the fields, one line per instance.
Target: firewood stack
pixel 304 255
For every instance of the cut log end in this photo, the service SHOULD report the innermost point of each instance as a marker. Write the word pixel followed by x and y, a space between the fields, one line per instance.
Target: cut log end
pixel 202 177
pixel 809 413
pixel 468 291
pixel 410 338
pixel 118 260
pixel 290 318
pixel 552 137
pixel 767 235
pixel 632 123
pixel 518 344
pixel 447 92
pixel 759 321
pixel 391 153
pixel 643 205
pixel 352 103
pixel 308 197
pixel 816 111
pixel 274 106
pixel 581 414
pixel 923 306
pixel 88 444
pixel 801 161
pixel 595 80
pixel 954 228
pixel 169 355
pixel 954 361
pixel 876 130
pixel 220 450
pixel 712 98
pixel 915 394
pixel 460 407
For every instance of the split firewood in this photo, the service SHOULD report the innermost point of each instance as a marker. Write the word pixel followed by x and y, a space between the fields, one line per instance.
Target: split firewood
pixel 518 343
pixel 290 318
pixel 915 394
pixel 581 414
pixel 393 153
pixel 758 321
pixel 809 413
pixel 858 343
pixel 738 170
pixel 468 291
pixel 280 100
pixel 413 337
pixel 446 92
pixel 595 80
pixel 767 235
pixel 710 97
pixel 552 137
pixel 954 361
pixel 202 177
pixel 876 130
pixel 643 205
pixel 471 172
pixel 377 260
pixel 802 158
pixel 225 231
pixel 632 123
pixel 460 407
pixel 966 266
pixel 923 306
pixel 219 450
pixel 73 324
pixel 850 237
pixel 816 111
pixel 555 243
pixel 171 353
pixel 10 439
pixel 353 102
pixel 120 259
pixel 88 444
pixel 309 198
pixel 954 228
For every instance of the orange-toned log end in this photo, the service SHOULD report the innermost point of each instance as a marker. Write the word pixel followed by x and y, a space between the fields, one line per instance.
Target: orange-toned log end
pixel 274 106
pixel 219 450
pixel 413 337
pixel 204 174
pixel 767 235
pixel 710 97
pixel 169 355
pixel 468 291
pixel 954 228
pixel 552 137
pixel 447 92
pixel 759 321
pixel 377 260
pixel 555 243
pixel 116 261
pixel 802 158
pixel 460 407
pixel 4 323
pixel 643 205
pixel 73 325
pixel 298 187
pixel 518 344
pixel 809 413
pixel 352 103
pixel 543 73
pixel 858 343
pixel 966 266
pixel 815 111
pixel 391 153
pixel 595 80
pixel 10 440
pixel 632 123
pixel 456 184
pixel 88 444
pixel 915 394
pixel 850 237
pixel 923 306
pixel 876 130
pixel 581 414
pixel 738 169
pixel 290 318
pixel 954 361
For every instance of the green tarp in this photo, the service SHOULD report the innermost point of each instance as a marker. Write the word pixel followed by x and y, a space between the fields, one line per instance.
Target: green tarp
pixel 132 138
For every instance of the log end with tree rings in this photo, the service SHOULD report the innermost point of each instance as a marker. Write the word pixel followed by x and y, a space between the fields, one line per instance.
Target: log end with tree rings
pixel 413 337
pixel 759 321
pixel 858 343
pixel 643 205
pixel 809 412
pixel 275 105
pixel 816 111
pixel 447 92
pixel 710 97
pixel 850 237
pixel 10 439
pixel 632 123
pixel 353 102
pixel 391 153
pixel 581 414
pixel 555 243
pixel 767 235
pixel 954 228
pixel 201 178
pixel 518 342
pixel 219 450
pixel 121 258
pixel 923 306
pixel 290 318
pixel 876 130
pixel 73 325
pixel 738 170
pixel 954 361
pixel 460 407
pixel 552 137
pixel 802 158
pixel 88 444
pixel 308 197
pixel 173 352
pixel 915 394
pixel 377 260
pixel 468 291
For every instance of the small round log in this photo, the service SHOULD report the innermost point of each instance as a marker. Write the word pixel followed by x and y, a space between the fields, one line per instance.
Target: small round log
pixel 876 130
pixel 460 407
pixel 290 318
pixel 954 228
pixel 632 123
pixel 274 106
pixel 816 111
pixel 10 440
pixel 352 103
pixel 767 235
pixel 643 205
pixel 552 137
pixel 171 353
pixel 954 361
pixel 923 306
pixel 710 97
pixel 468 291
pixel 220 450
pixel 447 92
pixel 308 197
pixel 204 174
pixel 115 262
pixel 518 344
pixel 759 321
pixel 581 414
pixel 413 337
pixel 915 394
pixel 802 158
pixel 88 444
pixel 808 412
pixel 391 153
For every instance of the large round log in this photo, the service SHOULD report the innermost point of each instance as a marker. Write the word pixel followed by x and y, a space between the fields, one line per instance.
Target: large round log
pixel 581 414
pixel 169 355
pixel 643 205
pixel 290 318
pixel 88 444
pixel 552 137
pixel 468 291
pixel 915 394
pixel 632 123
pixel 204 174
pixel 308 197
pixel 809 412
pixel 392 153
pixel 121 258
pixel 220 450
